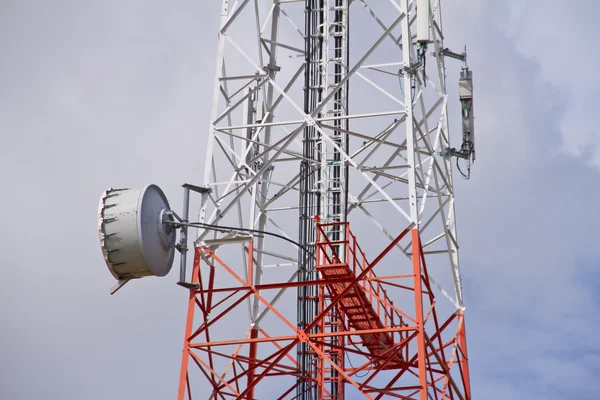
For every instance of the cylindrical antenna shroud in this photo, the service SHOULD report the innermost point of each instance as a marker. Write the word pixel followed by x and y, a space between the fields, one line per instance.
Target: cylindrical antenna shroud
pixel 135 240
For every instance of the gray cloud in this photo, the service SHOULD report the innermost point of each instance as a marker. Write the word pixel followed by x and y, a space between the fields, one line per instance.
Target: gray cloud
pixel 526 218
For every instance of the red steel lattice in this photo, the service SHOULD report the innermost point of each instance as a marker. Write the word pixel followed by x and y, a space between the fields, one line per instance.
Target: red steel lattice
pixel 397 350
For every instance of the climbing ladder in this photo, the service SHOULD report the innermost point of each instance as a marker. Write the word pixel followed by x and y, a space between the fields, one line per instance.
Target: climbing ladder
pixel 366 307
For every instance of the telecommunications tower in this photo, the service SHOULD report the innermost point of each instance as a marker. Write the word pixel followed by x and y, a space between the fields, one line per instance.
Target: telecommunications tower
pixel 325 253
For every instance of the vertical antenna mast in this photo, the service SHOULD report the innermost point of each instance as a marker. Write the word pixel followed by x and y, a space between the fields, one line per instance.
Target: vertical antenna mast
pixel 324 188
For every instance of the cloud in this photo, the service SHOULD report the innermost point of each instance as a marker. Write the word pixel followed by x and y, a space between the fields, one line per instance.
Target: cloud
pixel 94 95
pixel 525 219
pixel 558 38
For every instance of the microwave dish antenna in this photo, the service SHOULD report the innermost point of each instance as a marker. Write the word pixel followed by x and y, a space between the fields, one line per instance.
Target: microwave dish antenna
pixel 136 236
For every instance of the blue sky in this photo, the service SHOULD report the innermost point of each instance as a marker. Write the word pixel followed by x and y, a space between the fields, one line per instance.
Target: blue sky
pixel 90 89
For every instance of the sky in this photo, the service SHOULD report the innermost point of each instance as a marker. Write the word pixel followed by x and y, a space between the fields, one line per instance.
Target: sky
pixel 96 94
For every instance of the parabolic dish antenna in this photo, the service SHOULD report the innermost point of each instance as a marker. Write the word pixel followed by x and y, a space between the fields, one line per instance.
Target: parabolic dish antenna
pixel 135 240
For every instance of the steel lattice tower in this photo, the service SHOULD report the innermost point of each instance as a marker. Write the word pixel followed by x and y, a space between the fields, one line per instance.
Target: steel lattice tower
pixel 307 140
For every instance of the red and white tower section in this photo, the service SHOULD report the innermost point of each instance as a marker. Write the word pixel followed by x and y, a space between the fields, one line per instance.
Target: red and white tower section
pixel 324 261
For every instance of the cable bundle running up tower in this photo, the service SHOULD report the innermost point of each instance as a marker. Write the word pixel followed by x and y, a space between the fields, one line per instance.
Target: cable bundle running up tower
pixel 325 264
